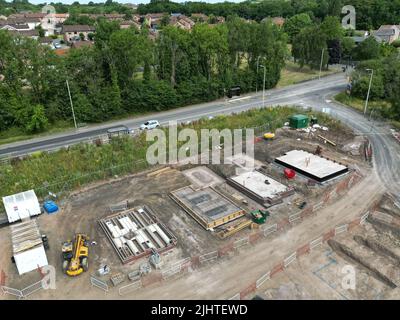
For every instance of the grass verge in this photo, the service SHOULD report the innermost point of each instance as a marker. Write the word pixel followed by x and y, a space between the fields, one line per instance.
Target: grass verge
pixel 71 168
pixel 292 74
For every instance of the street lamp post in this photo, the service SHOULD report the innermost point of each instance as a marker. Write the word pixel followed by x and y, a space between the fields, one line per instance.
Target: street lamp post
pixel 320 66
pixel 263 96
pixel 369 89
pixel 72 105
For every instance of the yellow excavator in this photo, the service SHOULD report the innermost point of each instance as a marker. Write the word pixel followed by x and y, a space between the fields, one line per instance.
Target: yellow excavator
pixel 75 255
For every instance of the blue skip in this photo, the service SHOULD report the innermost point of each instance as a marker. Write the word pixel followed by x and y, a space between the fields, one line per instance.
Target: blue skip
pixel 50 207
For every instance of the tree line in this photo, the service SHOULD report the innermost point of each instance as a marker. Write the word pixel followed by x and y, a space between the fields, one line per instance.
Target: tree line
pixel 370 14
pixel 126 73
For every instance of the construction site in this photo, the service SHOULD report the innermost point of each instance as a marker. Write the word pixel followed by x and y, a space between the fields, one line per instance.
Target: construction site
pixel 170 227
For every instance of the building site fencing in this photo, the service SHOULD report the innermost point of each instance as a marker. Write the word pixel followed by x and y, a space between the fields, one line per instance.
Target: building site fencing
pixel 305 249
pixel 232 247
pixel 24 293
pixel 130 287
pixel 97 283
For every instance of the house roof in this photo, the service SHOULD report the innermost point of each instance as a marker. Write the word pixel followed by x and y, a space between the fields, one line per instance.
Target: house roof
pixel 46 40
pixel 279 21
pixel 77 28
pixel 25 33
pixel 19 26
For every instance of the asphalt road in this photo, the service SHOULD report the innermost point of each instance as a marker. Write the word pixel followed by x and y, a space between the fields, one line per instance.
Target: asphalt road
pixel 316 94
pixel 288 95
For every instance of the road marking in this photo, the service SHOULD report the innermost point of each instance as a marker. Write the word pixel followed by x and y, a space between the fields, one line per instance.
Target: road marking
pixel 239 99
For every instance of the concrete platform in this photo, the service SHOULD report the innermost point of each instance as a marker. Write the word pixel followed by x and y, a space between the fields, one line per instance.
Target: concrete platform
pixel 260 187
pixel 202 177
pixel 315 167
pixel 207 206
pixel 136 232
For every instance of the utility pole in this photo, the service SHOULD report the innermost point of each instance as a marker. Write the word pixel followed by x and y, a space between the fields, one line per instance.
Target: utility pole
pixel 258 60
pixel 369 89
pixel 72 105
pixel 320 66
pixel 265 71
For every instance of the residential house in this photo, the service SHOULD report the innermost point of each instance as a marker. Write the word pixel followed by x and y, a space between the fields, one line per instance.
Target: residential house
pixel 153 19
pixel 46 41
pixel 52 22
pixel 107 16
pixel 181 21
pixel 279 21
pixel 128 23
pixel 31 19
pixel 199 17
pixel 388 33
pixel 73 32
pixel 33 34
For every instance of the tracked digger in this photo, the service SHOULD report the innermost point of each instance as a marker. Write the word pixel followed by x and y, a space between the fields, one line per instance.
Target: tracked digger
pixel 75 255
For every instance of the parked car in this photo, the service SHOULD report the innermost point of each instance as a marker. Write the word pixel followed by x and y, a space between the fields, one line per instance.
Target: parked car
pixel 118 131
pixel 302 205
pixel 148 125
pixel 45 241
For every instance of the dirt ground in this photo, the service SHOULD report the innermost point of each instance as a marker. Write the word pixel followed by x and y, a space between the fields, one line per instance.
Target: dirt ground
pixel 373 252
pixel 82 210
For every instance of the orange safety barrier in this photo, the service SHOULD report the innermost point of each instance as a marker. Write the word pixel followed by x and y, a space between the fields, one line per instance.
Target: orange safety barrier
pixel 283 223
pixel 329 235
pixel 278 268
pixel 303 250
pixel 195 261
pixel 2 278
pixel 253 238
pixel 224 250
pixel 327 196
pixel 245 292
pixel 354 223
pixel 307 211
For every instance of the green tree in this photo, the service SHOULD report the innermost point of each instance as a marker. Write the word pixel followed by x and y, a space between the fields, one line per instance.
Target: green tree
pixel 308 46
pixel 295 24
pixel 348 45
pixel 332 28
pixel 38 120
pixel 368 49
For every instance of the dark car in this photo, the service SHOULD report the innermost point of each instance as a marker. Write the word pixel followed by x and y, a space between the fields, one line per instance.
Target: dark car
pixel 302 205
pixel 45 241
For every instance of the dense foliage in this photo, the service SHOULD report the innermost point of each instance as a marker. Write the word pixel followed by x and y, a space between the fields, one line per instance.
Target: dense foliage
pixel 370 13
pixel 126 72
pixel 15 6
pixel 385 82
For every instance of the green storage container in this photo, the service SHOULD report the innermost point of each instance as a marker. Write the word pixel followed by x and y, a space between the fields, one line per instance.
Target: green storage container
pixel 298 121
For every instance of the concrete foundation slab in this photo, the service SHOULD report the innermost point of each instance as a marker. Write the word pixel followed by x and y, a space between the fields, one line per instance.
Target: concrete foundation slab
pixel 207 206
pixel 202 177
pixel 260 187
pixel 137 233
pixel 316 167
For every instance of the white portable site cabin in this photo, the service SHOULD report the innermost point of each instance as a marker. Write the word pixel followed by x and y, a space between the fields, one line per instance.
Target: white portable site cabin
pixel 21 206
pixel 28 250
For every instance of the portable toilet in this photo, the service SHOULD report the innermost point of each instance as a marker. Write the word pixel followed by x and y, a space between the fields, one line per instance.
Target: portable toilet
pixel 298 121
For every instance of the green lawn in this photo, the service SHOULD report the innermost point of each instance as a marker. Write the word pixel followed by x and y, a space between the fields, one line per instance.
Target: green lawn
pixel 292 73
pixel 379 106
